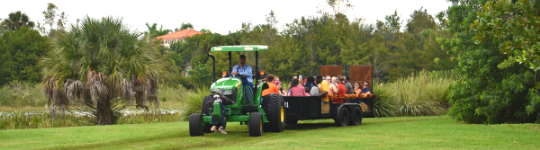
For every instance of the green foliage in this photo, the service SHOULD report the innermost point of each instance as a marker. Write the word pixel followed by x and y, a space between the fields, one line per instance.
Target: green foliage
pixel 201 75
pixel 421 94
pixel 184 26
pixel 515 25
pixel 484 92
pixel 99 63
pixel 154 32
pixel 20 94
pixel 16 20
pixel 194 101
pixel 19 54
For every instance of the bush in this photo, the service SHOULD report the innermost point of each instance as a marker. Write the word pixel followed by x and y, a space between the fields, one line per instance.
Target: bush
pixel 421 94
pixel 194 101
pixel 22 94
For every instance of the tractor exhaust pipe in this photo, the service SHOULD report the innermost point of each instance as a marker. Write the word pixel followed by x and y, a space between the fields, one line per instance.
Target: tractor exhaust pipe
pixel 213 67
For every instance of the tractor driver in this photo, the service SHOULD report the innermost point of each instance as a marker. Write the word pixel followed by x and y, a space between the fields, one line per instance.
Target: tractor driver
pixel 243 71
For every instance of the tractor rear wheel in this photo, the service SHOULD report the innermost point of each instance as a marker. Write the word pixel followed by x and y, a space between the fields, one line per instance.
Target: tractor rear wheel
pixel 274 107
pixel 195 125
pixel 255 124
pixel 356 116
pixel 343 117
pixel 204 110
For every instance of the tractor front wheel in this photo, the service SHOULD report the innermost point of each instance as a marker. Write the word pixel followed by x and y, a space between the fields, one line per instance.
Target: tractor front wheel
pixel 205 110
pixel 274 107
pixel 195 125
pixel 255 124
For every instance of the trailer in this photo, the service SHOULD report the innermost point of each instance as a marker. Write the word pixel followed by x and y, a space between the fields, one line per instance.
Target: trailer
pixel 309 108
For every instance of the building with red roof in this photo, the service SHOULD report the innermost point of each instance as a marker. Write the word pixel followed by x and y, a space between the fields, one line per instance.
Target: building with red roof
pixel 177 36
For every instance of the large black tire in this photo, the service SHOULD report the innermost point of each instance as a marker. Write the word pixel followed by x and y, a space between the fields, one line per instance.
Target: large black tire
pixel 342 118
pixel 356 116
pixel 256 124
pixel 195 125
pixel 273 106
pixel 204 110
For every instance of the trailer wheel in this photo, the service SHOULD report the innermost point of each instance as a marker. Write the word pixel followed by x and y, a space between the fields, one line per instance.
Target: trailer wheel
pixel 255 124
pixel 204 110
pixel 356 116
pixel 343 117
pixel 195 125
pixel 274 107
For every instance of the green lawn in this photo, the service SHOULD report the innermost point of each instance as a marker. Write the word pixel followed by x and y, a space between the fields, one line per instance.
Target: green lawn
pixel 374 133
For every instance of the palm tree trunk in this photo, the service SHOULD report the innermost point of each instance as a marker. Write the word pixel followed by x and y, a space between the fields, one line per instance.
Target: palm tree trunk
pixel 104 112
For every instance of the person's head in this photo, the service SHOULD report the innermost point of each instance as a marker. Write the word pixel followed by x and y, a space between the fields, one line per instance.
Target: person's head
pixel 294 83
pixel 295 77
pixel 341 78
pixel 278 83
pixel 365 85
pixel 276 78
pixel 328 79
pixel 311 80
pixel 242 60
pixel 300 79
pixel 334 79
pixel 319 79
pixel 270 78
pixel 356 85
pixel 346 79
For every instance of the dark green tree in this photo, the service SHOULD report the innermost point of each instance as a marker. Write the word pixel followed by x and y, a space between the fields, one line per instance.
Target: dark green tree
pixel 19 53
pixel 16 20
pixel 484 92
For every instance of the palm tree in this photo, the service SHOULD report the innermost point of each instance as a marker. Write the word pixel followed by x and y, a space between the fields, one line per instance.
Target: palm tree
pixel 16 20
pixel 154 32
pixel 184 26
pixel 100 64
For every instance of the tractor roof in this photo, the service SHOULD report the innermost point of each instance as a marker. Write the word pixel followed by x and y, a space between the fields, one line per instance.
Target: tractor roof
pixel 240 48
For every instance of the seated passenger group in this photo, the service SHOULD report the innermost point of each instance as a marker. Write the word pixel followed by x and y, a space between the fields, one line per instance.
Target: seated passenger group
pixel 317 86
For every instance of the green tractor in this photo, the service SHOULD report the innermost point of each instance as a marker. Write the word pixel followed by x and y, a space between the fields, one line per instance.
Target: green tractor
pixel 268 116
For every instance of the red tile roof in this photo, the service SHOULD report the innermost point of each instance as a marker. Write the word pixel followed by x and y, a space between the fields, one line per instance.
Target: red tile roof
pixel 182 34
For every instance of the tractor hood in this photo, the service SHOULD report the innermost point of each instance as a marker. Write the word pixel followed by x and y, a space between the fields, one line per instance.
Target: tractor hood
pixel 226 83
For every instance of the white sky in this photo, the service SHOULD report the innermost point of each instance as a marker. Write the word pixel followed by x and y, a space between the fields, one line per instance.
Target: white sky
pixel 219 16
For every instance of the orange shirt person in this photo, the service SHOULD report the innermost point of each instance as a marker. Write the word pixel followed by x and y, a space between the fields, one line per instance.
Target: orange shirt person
pixel 272 88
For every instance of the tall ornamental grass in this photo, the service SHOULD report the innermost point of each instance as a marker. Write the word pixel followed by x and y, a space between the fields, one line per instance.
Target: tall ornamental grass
pixel 194 100
pixel 421 94
pixel 19 94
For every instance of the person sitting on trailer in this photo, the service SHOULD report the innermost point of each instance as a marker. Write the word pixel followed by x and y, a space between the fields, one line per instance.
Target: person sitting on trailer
pixel 243 71
pixel 338 88
pixel 297 89
pixel 272 88
pixel 365 89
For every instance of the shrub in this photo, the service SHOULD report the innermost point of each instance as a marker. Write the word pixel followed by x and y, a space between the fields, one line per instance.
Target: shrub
pixel 419 94
pixel 22 94
pixel 194 101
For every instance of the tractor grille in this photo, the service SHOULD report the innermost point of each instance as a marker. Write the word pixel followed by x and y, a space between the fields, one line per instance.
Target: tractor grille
pixel 232 97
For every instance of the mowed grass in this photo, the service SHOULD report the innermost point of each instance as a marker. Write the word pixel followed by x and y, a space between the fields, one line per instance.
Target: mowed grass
pixel 381 133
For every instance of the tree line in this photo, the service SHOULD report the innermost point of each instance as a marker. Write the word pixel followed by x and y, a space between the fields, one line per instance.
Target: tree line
pixel 490 47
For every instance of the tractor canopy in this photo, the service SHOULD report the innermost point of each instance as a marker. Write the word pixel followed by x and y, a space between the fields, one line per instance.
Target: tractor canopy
pixel 241 48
